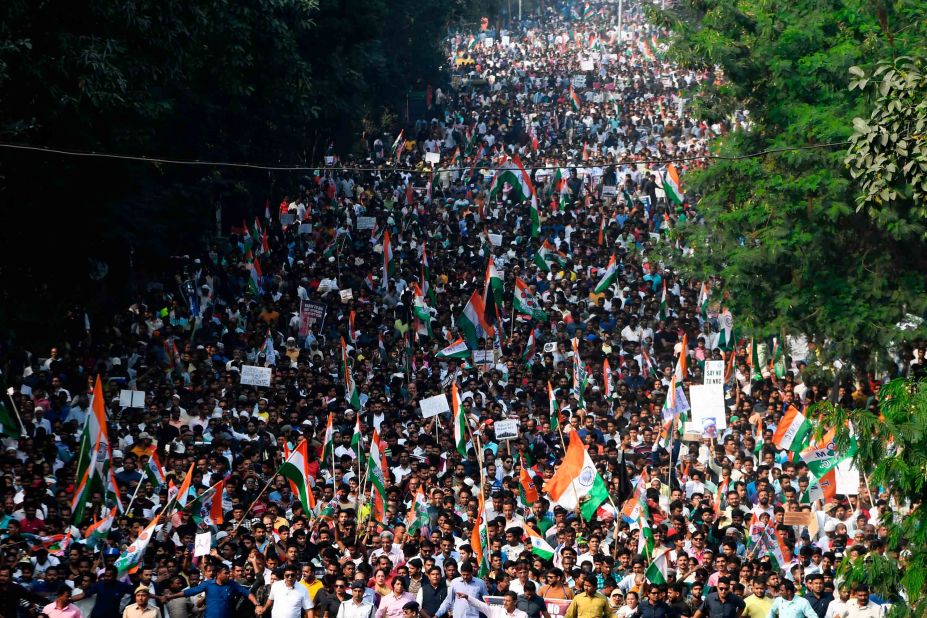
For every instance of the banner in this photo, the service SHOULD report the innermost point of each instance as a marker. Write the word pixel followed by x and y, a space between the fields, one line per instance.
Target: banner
pixel 310 314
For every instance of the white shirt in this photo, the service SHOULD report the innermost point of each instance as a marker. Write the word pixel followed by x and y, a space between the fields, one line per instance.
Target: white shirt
pixel 495 611
pixel 289 602
pixel 350 609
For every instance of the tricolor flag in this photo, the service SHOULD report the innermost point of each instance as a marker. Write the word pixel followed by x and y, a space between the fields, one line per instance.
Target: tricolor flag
pixel 99 529
pixel 420 312
pixel 526 303
pixel 458 349
pixel 703 294
pixel 397 145
pixel 9 421
pixel 535 218
pixel 646 51
pixel 350 387
pixel 574 99
pixel 513 173
pixel 460 421
pixel 381 348
pixel 681 363
pixel 376 474
pixel 154 472
pixel 327 446
pixel 726 328
pixel 656 572
pixel 530 350
pixel 387 259
pixel 295 469
pixel 793 431
pixel 539 547
pixel 601 238
pixel 611 274
pixel 130 559
pixel 606 379
pixel 417 516
pixel 493 291
pixel 553 408
pixel 472 322
pixel 577 482
pixel 352 330
pixel 661 315
pixel 179 500
pixel 671 184
pixel 547 255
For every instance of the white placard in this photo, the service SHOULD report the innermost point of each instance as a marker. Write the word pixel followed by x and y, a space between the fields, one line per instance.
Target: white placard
pixel 131 399
pixel 707 403
pixel 714 372
pixel 495 240
pixel 346 295
pixel 25 390
pixel 506 430
pixel 608 190
pixel 505 40
pixel 433 406
pixel 587 65
pixel 847 478
pixel 550 347
pixel 255 376
pixel 305 228
pixel 579 81
pixel 366 223
pixel 432 157
pixel 483 357
pixel 329 160
pixel 287 219
pixel 202 544
pixel 488 42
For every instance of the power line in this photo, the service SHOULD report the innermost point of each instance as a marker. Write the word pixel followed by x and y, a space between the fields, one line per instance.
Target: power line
pixel 298 168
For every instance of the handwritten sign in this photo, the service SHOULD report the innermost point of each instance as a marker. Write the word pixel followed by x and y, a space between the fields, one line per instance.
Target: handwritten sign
pixel 483 357
pixel 366 223
pixel 255 376
pixel 287 219
pixel 433 406
pixel 714 372
pixel 202 543
pixel 432 158
pixel 707 403
pixel 609 190
pixel 310 314
pixel 506 430
pixel 346 295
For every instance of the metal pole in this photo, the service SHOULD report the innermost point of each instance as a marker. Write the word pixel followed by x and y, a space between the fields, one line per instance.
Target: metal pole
pixel 519 11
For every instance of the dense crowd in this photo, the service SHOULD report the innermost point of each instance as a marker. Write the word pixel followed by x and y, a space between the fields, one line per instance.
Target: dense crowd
pixel 367 290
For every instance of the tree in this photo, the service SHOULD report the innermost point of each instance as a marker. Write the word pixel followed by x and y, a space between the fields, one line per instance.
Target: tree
pixel 894 452
pixel 782 229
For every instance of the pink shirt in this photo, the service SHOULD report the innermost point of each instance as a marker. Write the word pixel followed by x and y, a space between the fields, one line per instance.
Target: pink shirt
pixel 70 611
pixel 390 605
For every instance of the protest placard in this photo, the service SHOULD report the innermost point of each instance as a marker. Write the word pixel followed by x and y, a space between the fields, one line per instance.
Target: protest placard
pixel 506 430
pixel 131 399
pixel 255 376
pixel 433 406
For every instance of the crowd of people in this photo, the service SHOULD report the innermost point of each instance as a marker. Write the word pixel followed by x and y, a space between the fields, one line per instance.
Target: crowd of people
pixel 378 285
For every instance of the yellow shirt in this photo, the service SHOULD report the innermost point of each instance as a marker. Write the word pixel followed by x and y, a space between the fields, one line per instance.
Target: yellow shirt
pixel 585 606
pixel 755 607
pixel 313 588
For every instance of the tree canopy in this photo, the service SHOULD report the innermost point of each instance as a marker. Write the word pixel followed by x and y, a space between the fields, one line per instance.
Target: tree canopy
pixel 783 229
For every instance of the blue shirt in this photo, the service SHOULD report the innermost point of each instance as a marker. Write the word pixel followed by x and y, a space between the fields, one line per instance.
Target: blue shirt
pixel 219 599
pixel 475 588
pixel 108 595
pixel 798 607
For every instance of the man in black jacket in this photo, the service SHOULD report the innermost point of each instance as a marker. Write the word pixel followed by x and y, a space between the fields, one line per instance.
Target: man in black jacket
pixel 12 594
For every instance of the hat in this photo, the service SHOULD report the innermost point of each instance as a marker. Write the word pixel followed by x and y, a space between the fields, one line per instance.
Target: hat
pixel 830 526
pixel 358 585
pixel 142 589
pixel 144 436
pixel 117 454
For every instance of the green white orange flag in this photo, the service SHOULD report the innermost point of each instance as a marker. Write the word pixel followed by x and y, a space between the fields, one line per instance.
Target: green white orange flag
pixel 460 421
pixel 793 431
pixel 535 218
pixel 671 184
pixel 547 256
pixel 526 303
pixel 472 322
pixel 376 474
pixel 132 556
pixel 554 409
pixel 387 259
pixel 657 570
pixel 327 446
pixel 539 547
pixel 577 482
pixel 661 315
pixel 417 515
pixel 610 276
pixel 350 387
pixel 154 472
pixel 458 349
pixel 574 99
pixel 511 172
pixel 295 469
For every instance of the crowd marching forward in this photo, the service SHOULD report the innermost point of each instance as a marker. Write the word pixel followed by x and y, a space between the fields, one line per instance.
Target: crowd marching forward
pixel 455 378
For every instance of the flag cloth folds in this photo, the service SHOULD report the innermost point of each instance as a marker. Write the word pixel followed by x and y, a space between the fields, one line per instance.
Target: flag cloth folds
pixel 539 547
pixel 659 566
pixel 526 302
pixel 387 259
pixel 350 387
pixel 793 431
pixel 296 470
pixel 577 482
pixel 154 471
pixel 574 99
pixel 327 446
pixel 375 472
pixel 554 409
pixel 9 422
pixel 460 421
pixel 472 323
pixel 458 349
pixel 610 276
pixel 526 487
pixel 132 556
pixel 512 173
pixel 671 184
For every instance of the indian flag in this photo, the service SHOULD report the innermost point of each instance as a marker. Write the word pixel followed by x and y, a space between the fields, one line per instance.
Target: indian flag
pixel 611 274
pixel 574 99
pixel 458 349
pixel 793 431
pixel 526 303
pixel 577 482
pixel 726 327
pixel 417 516
pixel 421 312
pixel 356 438
pixel 494 283
pixel 547 255
pixel 513 173
pixel 656 572
pixel 296 470
pixel 327 451
pixel 530 349
pixel 671 184
pixel 553 408
pixel 645 540
pixel 350 387
pixel 460 421
pixel 535 218
pixel 646 51
pixel 539 547
pixel 99 529
pixel 662 313
pixel 397 145
pixel 132 556
pixel 703 295
pixel 606 379
pixel 154 472
pixel 375 468
pixel 352 330
pixel 472 322
pixel 387 259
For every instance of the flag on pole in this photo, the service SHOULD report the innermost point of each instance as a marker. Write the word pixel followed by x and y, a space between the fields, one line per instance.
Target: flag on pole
pixel 511 172
pixel 527 355
pixel 417 516
pixel 460 421
pixel 421 312
pixel 535 218
pixel 375 472
pixel 606 379
pixel 99 529
pixel 180 499
pixel 154 471
pixel 726 328
pixel 539 547
pixel 387 259
pixel 296 470
pixel 472 322
pixel 574 99
pixel 553 409
pixel 611 274
pixel 327 446
pixel 526 487
pixel 132 556
pixel 547 256
pixel 9 421
pixel 662 313
pixel 397 145
pixel 458 350
pixel 671 184
pixel 526 302
pixel 658 568
pixel 577 482
pixel 793 431
pixel 350 387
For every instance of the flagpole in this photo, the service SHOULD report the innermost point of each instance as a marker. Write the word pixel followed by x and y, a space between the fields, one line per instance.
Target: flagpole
pixel 134 494
pixel 22 428
pixel 266 485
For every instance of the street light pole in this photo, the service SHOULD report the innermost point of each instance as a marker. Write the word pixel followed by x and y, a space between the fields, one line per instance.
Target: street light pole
pixel 620 21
